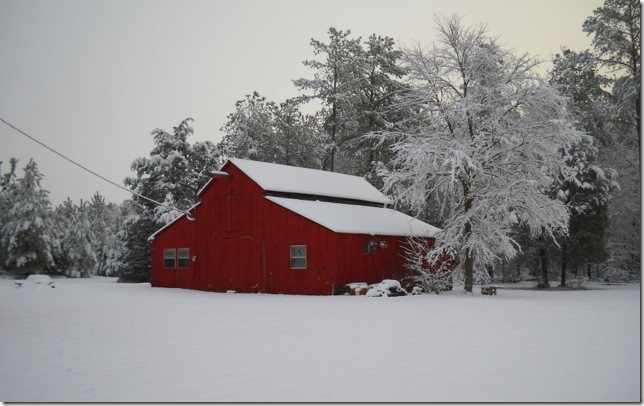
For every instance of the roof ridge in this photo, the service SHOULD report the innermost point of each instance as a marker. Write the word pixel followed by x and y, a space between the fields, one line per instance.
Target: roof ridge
pixel 281 178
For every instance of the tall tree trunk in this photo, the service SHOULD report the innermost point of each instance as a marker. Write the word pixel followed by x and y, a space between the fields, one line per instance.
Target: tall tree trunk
pixel 469 270
pixel 469 255
pixel 564 264
pixel 543 283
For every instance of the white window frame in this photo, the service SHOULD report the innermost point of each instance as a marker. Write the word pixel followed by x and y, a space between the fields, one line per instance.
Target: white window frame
pixel 298 257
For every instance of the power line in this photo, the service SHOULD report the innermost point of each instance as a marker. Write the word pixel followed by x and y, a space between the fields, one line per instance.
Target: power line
pixel 91 171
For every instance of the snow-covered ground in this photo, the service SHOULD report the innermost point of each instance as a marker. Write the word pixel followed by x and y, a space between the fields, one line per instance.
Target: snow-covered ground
pixel 95 340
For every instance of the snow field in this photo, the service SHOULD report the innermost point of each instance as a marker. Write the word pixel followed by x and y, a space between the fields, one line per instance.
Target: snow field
pixel 95 340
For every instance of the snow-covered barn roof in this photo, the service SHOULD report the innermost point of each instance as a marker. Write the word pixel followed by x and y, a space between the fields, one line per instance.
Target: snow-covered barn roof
pixel 291 179
pixel 356 219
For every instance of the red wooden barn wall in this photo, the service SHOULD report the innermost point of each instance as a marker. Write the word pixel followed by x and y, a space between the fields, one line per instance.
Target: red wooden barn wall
pixel 181 234
pixel 242 242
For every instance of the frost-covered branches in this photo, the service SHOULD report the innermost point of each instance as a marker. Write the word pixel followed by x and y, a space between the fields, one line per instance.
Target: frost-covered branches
pixel 264 131
pixel 428 268
pixel 485 144
pixel 173 174
pixel 27 229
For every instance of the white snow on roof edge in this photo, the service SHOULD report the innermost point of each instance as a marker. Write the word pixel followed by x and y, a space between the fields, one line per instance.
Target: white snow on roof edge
pixel 356 219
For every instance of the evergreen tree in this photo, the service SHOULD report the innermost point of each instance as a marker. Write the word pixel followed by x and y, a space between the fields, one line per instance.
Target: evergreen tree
pixel 336 84
pixel 604 86
pixel 298 138
pixel 7 191
pixel 101 217
pixel 249 130
pixel 588 198
pixel 263 131
pixel 27 230
pixel 379 88
pixel 615 29
pixel 74 252
pixel 115 246
pixel 172 175
pixel 577 76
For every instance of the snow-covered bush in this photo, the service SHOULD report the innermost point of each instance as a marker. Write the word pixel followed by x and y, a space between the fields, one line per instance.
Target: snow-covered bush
pixel 613 274
pixel 429 269
pixel 36 282
pixel 387 287
pixel 481 276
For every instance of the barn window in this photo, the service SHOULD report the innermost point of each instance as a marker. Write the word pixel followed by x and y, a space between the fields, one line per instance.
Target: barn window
pixel 183 258
pixel 298 256
pixel 169 258
pixel 369 247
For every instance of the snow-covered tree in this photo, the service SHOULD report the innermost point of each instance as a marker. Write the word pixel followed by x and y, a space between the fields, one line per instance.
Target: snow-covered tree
pixel 172 176
pixel 7 189
pixel 263 131
pixel 336 84
pixel 74 251
pixel 27 230
pixel 102 218
pixel 604 87
pixel 616 39
pixel 588 198
pixel 249 130
pixel 485 144
pixel 356 84
pixel 115 245
pixel 380 87
pixel 577 75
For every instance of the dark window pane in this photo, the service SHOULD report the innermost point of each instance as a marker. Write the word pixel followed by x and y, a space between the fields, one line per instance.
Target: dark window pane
pixel 169 258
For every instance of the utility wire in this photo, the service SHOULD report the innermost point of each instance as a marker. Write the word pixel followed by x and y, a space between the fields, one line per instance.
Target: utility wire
pixel 92 172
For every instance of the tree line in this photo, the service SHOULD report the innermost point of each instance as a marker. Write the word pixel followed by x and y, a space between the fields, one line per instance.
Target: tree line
pixel 72 239
pixel 528 176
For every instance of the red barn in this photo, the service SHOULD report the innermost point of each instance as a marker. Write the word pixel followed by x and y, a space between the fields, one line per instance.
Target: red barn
pixel 280 229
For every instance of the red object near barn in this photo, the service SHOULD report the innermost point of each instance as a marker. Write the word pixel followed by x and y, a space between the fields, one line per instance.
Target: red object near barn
pixel 272 228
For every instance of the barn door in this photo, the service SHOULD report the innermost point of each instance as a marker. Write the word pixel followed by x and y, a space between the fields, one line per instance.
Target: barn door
pixel 242 265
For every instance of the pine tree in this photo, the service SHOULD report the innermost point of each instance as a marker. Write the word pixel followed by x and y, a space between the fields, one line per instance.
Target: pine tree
pixel 115 246
pixel 616 41
pixel 336 84
pixel 74 252
pixel 172 175
pixel 604 85
pixel 27 230
pixel 380 86
pixel 588 198
pixel 615 28
pixel 249 130
pixel 577 76
pixel 7 191
pixel 263 131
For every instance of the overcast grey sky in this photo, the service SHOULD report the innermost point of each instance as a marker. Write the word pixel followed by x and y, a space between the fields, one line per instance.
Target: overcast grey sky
pixel 92 79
